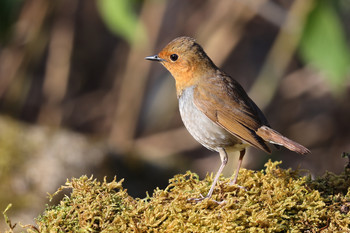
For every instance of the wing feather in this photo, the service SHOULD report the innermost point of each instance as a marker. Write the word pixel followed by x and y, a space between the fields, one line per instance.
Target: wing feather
pixel 226 103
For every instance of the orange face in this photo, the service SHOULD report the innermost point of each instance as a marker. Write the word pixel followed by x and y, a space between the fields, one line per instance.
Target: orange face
pixel 186 61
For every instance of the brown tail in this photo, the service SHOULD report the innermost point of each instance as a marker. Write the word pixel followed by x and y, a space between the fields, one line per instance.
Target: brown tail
pixel 275 137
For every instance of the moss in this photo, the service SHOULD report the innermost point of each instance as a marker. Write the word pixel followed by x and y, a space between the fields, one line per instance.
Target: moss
pixel 12 157
pixel 275 200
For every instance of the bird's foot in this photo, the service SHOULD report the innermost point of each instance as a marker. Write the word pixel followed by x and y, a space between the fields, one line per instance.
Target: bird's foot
pixel 201 198
pixel 239 186
pixel 198 199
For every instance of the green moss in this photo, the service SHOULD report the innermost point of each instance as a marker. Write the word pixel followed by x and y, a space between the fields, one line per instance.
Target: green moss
pixel 276 200
pixel 92 206
pixel 13 156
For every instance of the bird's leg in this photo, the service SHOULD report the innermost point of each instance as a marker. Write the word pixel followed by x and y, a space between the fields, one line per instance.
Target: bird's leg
pixel 241 155
pixel 224 159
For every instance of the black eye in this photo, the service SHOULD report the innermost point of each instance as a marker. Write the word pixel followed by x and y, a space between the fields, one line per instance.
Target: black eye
pixel 174 57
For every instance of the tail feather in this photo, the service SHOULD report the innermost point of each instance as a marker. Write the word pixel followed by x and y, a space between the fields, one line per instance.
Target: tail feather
pixel 275 137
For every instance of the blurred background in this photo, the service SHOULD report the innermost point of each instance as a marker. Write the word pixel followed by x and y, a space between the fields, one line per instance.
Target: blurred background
pixel 77 96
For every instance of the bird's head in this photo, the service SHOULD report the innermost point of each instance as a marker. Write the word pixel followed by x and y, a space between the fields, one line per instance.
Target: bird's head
pixel 186 61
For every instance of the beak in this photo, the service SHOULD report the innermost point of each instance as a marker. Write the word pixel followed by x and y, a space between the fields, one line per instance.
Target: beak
pixel 154 58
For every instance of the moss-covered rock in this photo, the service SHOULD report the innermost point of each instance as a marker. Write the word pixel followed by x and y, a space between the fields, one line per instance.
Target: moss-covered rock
pixel 275 200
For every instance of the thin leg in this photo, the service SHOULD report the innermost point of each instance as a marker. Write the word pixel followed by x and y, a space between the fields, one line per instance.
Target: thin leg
pixel 241 155
pixel 224 158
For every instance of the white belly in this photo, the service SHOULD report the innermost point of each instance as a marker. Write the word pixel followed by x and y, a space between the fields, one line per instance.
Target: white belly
pixel 204 130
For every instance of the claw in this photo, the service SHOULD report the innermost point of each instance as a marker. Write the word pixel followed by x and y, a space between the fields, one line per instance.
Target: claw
pixel 198 199
pixel 206 197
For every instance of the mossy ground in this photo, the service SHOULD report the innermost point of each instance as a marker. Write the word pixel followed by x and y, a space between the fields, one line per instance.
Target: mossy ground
pixel 275 200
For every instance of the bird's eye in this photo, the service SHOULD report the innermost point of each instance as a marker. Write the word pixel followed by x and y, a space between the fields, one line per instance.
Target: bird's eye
pixel 174 57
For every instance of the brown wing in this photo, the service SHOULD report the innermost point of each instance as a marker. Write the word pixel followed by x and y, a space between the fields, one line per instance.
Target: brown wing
pixel 225 102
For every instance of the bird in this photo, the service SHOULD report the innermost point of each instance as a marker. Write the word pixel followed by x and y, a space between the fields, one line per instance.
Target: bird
pixel 215 108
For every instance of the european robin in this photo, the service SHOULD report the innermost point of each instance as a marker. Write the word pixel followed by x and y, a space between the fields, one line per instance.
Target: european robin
pixel 214 107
